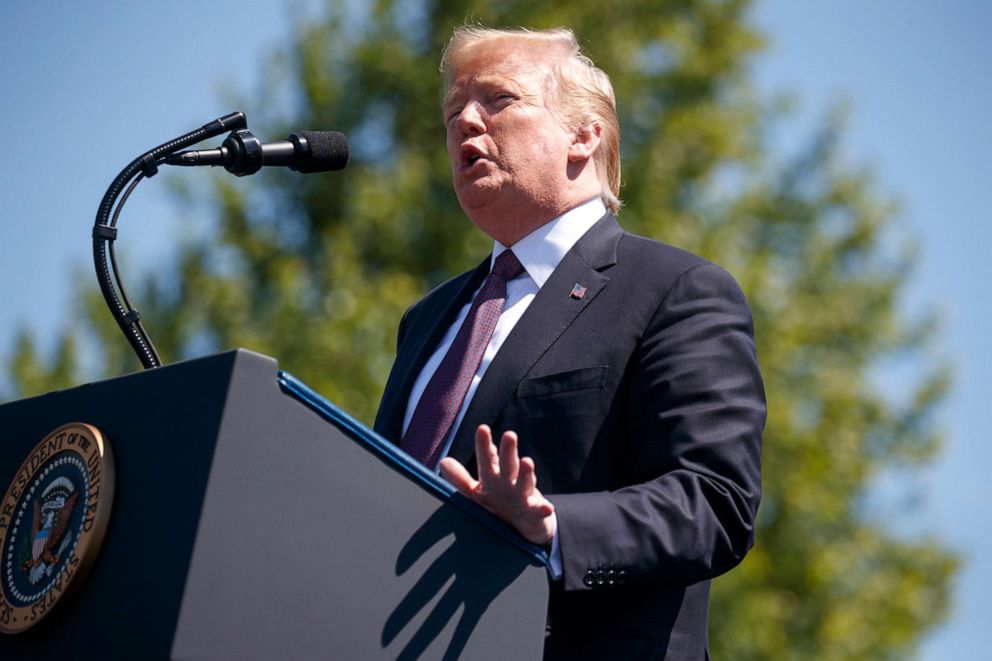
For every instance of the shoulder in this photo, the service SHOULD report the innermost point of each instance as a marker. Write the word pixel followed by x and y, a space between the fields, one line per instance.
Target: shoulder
pixel 670 269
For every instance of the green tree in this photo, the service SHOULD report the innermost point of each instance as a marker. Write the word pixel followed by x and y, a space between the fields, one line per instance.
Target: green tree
pixel 318 270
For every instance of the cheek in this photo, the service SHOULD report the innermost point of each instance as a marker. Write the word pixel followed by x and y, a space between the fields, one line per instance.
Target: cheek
pixel 547 140
pixel 546 151
pixel 548 148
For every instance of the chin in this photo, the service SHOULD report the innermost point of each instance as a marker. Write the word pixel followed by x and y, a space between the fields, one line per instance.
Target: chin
pixel 472 197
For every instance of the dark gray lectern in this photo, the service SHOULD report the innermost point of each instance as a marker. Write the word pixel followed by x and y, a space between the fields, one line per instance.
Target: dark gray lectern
pixel 253 520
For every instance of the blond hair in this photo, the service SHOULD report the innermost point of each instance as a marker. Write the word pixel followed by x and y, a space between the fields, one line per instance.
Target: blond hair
pixel 582 92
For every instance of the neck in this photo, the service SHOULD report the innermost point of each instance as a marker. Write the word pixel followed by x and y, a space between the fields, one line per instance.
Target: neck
pixel 509 225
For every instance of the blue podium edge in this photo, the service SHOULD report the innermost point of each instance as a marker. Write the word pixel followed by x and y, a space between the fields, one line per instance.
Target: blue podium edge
pixel 404 464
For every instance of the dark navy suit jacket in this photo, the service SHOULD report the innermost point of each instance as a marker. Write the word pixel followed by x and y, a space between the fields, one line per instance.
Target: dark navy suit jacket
pixel 642 406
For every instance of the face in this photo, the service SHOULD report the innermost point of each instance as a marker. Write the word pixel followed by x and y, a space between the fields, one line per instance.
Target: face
pixel 508 148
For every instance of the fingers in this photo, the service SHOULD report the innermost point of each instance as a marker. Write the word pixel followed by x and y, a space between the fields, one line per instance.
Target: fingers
pixel 527 481
pixel 498 466
pixel 502 473
pixel 527 485
pixel 509 460
pixel 485 453
pixel 459 477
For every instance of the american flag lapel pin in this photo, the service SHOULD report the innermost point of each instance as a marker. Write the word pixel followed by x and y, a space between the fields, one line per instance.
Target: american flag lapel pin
pixel 578 291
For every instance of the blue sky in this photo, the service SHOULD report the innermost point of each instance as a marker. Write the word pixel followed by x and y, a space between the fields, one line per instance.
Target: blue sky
pixel 86 88
pixel 916 78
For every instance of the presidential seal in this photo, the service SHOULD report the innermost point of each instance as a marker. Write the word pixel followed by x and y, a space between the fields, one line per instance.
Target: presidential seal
pixel 52 522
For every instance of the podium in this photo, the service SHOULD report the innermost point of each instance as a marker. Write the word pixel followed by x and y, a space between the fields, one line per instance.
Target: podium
pixel 254 520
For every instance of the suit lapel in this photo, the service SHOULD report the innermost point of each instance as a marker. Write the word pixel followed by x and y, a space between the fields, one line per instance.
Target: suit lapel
pixel 421 339
pixel 549 315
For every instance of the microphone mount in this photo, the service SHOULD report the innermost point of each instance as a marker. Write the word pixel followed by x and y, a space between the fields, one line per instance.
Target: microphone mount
pixel 241 154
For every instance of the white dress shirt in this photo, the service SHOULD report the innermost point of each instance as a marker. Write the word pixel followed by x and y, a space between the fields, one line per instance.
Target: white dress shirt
pixel 539 252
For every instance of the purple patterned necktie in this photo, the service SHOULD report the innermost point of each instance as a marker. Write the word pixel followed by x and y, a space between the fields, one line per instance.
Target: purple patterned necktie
pixel 439 405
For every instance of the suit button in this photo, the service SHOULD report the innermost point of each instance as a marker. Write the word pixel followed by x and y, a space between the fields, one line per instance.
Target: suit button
pixel 621 576
pixel 600 577
pixel 611 577
pixel 589 579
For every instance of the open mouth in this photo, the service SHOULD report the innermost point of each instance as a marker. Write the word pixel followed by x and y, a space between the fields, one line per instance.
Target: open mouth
pixel 470 156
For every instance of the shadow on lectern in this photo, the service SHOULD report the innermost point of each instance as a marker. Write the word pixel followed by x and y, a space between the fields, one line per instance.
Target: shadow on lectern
pixel 455 581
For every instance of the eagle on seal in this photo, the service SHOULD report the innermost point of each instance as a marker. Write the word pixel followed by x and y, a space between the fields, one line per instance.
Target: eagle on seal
pixel 52 513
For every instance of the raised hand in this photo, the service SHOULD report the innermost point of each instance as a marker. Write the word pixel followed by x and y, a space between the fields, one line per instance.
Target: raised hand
pixel 507 486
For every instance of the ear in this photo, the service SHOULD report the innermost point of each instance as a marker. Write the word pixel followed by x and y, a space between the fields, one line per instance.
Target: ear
pixel 585 142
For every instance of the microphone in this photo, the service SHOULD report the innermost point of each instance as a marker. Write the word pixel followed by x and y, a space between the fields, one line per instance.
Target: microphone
pixel 242 153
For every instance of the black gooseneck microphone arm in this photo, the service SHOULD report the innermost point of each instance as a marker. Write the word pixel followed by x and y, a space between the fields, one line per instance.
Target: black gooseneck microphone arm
pixel 104 232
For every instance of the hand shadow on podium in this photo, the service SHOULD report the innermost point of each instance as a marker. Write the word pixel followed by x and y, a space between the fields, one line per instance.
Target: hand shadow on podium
pixel 476 578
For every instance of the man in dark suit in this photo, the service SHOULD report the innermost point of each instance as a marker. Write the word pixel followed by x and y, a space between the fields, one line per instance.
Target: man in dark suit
pixel 619 374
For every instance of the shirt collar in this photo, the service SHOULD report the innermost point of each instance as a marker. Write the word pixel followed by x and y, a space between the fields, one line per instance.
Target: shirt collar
pixel 542 250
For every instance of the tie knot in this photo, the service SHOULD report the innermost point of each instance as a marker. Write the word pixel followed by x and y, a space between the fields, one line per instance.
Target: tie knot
pixel 507 266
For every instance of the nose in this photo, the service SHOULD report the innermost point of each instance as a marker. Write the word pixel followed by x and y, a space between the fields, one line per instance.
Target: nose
pixel 470 119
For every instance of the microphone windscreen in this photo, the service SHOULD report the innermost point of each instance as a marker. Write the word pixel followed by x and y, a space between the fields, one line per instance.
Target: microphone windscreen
pixel 328 151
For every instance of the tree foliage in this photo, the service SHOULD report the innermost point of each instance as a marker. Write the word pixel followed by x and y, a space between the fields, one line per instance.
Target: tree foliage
pixel 318 270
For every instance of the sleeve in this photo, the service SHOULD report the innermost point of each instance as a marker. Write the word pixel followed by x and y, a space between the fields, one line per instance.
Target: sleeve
pixel 695 411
